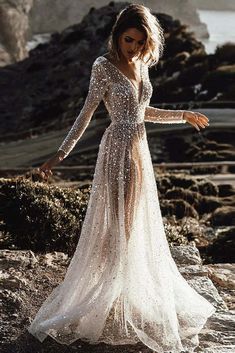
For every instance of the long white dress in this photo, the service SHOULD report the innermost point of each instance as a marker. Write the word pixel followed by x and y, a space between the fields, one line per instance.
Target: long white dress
pixel 122 284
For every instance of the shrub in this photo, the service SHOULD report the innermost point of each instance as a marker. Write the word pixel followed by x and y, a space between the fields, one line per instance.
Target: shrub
pixel 40 217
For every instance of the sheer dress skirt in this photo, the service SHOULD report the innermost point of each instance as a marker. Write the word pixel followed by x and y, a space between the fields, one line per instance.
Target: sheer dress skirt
pixel 122 285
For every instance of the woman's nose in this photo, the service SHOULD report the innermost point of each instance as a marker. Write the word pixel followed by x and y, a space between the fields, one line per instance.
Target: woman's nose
pixel 133 46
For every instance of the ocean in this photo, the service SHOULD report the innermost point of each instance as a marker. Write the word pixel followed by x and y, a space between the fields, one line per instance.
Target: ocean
pixel 221 27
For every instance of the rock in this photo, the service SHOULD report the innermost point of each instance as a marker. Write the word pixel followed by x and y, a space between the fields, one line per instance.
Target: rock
pixel 12 281
pixel 209 204
pixel 223 216
pixel 13 259
pixel 14 27
pixel 228 296
pixel 178 208
pixel 222 274
pixel 221 76
pixel 221 328
pixel 220 349
pixel 186 255
pixel 226 190
pixel 26 279
pixel 192 75
pixel 193 270
pixel 54 259
pixel 181 180
pixel 201 204
pixel 192 197
pixel 5 58
pixel 222 248
pixel 207 187
pixel 205 287
pixel 20 303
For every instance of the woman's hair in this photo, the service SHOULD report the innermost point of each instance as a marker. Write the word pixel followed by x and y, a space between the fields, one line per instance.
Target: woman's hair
pixel 139 17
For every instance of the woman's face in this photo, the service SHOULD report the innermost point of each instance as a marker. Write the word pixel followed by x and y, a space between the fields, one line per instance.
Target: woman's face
pixel 131 42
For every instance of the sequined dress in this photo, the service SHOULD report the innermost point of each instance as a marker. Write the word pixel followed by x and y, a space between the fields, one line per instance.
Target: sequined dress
pixel 122 285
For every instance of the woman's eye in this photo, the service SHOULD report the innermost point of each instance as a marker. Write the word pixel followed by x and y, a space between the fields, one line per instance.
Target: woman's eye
pixel 129 40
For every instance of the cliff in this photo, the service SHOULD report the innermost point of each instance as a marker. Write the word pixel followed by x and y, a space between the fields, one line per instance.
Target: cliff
pixel 23 20
pixel 218 5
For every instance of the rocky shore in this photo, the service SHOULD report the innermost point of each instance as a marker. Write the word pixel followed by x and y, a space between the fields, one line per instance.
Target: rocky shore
pixel 40 223
pixel 198 217
pixel 27 278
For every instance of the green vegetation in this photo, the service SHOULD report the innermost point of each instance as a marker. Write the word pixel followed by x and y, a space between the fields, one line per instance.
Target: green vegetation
pixel 40 217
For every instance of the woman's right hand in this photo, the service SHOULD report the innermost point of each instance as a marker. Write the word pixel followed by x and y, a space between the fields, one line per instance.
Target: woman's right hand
pixel 45 169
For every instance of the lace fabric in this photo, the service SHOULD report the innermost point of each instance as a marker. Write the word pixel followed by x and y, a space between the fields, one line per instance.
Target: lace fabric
pixel 122 284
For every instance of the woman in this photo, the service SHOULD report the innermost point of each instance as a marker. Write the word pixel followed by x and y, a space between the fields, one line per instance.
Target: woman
pixel 122 285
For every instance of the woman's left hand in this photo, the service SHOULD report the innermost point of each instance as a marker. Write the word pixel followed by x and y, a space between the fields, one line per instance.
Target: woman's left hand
pixel 196 119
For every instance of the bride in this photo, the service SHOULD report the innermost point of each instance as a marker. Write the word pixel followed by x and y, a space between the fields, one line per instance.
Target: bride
pixel 122 285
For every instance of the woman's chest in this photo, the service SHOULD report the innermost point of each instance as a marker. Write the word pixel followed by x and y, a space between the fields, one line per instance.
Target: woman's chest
pixel 122 92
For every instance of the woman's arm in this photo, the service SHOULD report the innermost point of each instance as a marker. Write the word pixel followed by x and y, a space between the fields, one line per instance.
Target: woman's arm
pixel 166 116
pixel 170 116
pixel 97 87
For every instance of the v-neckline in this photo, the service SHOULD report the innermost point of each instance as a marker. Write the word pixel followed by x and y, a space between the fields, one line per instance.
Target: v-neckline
pixel 139 96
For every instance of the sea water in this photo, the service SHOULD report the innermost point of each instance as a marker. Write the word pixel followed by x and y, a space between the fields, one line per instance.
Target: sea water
pixel 221 28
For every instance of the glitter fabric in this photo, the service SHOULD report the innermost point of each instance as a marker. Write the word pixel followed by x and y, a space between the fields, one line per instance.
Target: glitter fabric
pixel 122 285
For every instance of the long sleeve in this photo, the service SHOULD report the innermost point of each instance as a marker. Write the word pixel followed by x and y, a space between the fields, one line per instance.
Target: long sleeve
pixel 97 88
pixel 165 116
pixel 158 115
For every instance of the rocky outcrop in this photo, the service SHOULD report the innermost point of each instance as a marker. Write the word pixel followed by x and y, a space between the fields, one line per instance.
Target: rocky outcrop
pixel 223 275
pixel 63 14
pixel 14 29
pixel 5 57
pixel 23 20
pixel 27 278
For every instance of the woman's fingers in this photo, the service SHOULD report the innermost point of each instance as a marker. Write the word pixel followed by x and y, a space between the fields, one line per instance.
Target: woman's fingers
pixel 49 172
pixel 203 118
pixel 196 119
pixel 195 125
pixel 44 172
pixel 200 123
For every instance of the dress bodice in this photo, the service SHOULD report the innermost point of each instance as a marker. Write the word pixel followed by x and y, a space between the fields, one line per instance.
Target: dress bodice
pixel 122 100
